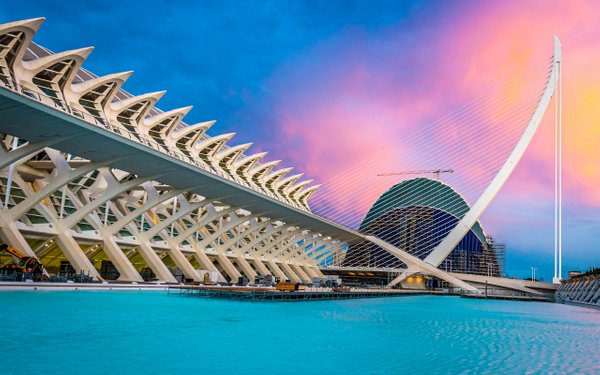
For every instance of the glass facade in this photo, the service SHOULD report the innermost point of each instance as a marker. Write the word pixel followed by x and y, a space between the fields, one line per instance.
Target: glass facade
pixel 418 229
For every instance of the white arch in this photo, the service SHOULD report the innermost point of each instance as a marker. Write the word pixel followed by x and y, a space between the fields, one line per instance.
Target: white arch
pixel 27 70
pixel 28 28
pixel 248 162
pixel 212 145
pixel 116 108
pixel 231 154
pixel 445 247
pixel 261 170
pixel 184 139
pixel 76 91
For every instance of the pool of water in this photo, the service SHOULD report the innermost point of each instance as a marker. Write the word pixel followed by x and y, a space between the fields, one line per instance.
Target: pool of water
pixel 151 332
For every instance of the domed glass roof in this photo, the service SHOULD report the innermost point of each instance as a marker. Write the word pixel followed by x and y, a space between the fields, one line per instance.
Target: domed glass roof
pixel 421 192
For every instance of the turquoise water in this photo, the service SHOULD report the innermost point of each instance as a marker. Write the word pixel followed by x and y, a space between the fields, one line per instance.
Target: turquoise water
pixel 156 333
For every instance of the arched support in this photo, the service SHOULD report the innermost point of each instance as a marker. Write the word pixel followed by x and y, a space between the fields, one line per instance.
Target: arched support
pixel 288 252
pixel 268 248
pixel 150 204
pixel 444 248
pixel 27 151
pixel 179 259
pixel 208 218
pixel 234 221
pixel 184 211
pixel 53 183
pixel 114 189
pixel 70 246
pixel 253 228
pixel 418 265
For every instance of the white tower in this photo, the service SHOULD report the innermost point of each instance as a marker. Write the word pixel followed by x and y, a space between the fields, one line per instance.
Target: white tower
pixel 557 163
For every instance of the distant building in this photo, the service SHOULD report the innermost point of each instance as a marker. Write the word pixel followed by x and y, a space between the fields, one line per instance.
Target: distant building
pixel 415 216
pixel 573 274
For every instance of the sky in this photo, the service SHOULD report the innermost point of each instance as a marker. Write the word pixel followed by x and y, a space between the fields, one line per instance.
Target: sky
pixel 323 85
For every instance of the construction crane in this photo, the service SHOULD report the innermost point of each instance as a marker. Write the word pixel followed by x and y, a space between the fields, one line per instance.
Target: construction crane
pixel 435 172
pixel 25 264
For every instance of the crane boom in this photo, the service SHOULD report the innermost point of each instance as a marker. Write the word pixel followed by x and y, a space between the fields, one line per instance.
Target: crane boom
pixel 25 264
pixel 436 172
pixel 12 250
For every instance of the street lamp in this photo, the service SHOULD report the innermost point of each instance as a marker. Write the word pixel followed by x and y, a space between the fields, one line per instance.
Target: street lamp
pixel 533 269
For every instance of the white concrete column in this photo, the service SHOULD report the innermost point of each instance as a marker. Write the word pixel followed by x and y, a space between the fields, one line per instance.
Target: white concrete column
pixel 155 263
pixel 289 272
pixel 126 269
pixel 74 254
pixel 205 261
pixel 262 269
pixel 228 267
pixel 276 270
pixel 298 271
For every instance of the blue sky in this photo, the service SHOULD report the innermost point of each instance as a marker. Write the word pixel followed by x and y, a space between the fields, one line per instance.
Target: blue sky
pixel 215 55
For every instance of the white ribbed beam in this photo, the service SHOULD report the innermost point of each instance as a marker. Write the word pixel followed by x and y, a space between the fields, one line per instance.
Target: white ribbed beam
pixel 28 70
pixel 105 88
pixel 245 164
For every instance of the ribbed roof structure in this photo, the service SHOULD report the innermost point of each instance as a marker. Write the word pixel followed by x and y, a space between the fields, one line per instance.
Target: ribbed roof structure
pixel 421 192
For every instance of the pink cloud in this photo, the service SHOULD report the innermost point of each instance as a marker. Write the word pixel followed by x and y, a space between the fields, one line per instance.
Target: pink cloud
pixel 350 98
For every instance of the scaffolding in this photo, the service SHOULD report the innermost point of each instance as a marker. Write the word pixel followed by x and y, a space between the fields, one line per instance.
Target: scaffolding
pixel 494 256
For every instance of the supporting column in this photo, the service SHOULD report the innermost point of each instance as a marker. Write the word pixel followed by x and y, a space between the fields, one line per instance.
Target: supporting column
pixel 310 271
pixel 276 270
pixel 300 272
pixel 183 263
pixel 155 263
pixel 74 254
pixel 319 273
pixel 10 235
pixel 246 267
pixel 288 271
pixel 592 290
pixel 203 259
pixel 558 172
pixel 228 267
pixel 126 269
pixel 262 269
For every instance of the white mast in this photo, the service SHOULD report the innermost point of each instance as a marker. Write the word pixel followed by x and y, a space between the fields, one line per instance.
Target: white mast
pixel 557 163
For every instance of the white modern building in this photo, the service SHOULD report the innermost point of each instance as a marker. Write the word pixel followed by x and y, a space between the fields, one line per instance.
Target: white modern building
pixel 96 180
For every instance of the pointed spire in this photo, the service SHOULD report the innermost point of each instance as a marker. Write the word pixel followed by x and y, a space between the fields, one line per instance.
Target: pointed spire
pixel 79 55
pixel 178 112
pixel 32 24
pixel 198 129
pixel 91 84
pixel 152 97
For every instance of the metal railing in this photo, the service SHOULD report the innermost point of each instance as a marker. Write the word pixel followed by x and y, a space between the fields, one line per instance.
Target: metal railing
pixel 363 268
pixel 504 293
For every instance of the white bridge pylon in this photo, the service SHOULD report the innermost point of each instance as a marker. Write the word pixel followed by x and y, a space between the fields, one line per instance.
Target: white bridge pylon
pixel 445 247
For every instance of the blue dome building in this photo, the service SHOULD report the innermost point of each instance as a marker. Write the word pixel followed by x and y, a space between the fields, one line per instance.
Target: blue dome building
pixel 415 216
